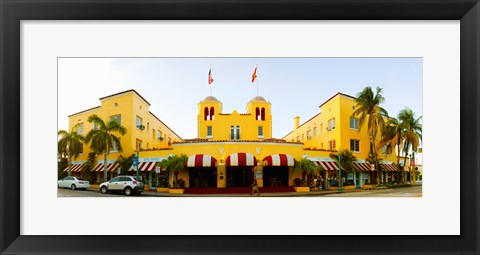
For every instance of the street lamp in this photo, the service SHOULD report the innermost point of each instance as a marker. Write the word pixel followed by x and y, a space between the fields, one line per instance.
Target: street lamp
pixel 340 183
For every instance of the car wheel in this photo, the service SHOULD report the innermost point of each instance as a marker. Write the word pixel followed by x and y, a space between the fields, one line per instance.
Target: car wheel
pixel 104 190
pixel 73 187
pixel 128 191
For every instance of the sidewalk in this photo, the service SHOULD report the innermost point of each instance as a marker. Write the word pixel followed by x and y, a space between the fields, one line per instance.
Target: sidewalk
pixel 276 194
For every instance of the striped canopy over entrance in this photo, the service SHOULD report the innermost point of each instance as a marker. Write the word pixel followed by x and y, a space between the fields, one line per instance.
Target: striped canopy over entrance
pixel 144 166
pixel 75 168
pixel 201 160
pixel 241 159
pixel 279 160
pixel 327 165
pixel 388 167
pixel 111 167
pixel 364 167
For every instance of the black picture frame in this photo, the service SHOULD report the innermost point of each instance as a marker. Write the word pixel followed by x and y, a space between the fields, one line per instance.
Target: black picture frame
pixel 12 12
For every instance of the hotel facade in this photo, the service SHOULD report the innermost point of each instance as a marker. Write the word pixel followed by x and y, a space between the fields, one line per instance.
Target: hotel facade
pixel 232 148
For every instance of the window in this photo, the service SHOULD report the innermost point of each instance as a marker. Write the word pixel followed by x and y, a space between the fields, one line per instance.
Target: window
pixel 321 127
pixel 114 146
pixel 309 134
pixel 209 132
pixel 212 113
pixel 384 150
pixel 263 113
pixel 80 149
pixel 331 124
pixel 298 138
pixel 257 114
pixel 139 122
pixel 353 123
pixel 355 145
pixel 159 135
pixel 260 131
pixel 148 126
pixel 234 133
pixel 95 126
pixel 139 144
pixel 153 134
pixel 116 179
pixel 315 132
pixel 169 140
pixel 205 113
pixel 332 145
pixel 124 179
pixel 80 128
pixel 116 118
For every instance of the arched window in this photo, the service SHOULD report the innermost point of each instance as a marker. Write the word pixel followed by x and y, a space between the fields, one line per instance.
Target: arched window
pixel 257 114
pixel 206 113
pixel 263 113
pixel 232 132
pixel 212 113
pixel 237 135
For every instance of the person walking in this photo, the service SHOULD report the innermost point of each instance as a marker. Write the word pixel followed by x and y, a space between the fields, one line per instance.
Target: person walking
pixel 255 187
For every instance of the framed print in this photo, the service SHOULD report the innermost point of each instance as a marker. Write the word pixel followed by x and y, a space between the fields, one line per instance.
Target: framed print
pixel 59 57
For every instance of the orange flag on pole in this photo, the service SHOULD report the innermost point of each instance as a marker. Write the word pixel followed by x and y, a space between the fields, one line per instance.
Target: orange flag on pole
pixel 254 75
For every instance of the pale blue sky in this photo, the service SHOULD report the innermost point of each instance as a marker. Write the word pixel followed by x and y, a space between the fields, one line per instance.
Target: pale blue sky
pixel 294 86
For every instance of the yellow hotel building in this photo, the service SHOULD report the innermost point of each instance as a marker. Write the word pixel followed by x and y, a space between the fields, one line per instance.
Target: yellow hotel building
pixel 233 148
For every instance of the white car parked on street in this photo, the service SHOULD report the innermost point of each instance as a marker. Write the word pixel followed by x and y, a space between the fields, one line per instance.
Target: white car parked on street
pixel 128 185
pixel 73 183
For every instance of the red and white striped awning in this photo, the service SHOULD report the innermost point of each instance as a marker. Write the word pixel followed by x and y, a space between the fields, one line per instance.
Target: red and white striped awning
pixel 201 160
pixel 144 167
pixel 241 159
pixel 279 160
pixel 327 165
pixel 365 167
pixel 75 168
pixel 389 167
pixel 110 167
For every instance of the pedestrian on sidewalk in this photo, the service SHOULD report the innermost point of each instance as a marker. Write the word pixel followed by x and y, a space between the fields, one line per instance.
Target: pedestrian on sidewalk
pixel 255 187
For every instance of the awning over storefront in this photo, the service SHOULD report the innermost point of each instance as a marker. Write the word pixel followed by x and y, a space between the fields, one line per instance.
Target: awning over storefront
pixel 365 167
pixel 144 167
pixel 111 167
pixel 389 167
pixel 241 159
pixel 327 165
pixel 201 160
pixel 279 160
pixel 75 168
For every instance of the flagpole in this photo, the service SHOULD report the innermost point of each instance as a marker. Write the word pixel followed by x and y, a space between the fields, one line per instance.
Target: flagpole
pixel 257 79
pixel 210 84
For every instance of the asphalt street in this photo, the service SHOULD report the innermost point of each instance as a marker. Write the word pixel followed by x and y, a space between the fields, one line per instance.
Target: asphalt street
pixel 414 191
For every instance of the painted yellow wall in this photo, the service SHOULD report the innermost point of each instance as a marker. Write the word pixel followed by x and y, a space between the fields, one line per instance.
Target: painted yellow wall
pixel 128 104
pixel 340 107
pixel 222 122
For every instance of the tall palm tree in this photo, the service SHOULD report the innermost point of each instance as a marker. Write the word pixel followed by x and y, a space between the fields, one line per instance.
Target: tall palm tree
pixel 176 164
pixel 70 145
pixel 346 161
pixel 392 138
pixel 125 163
pixel 103 138
pixel 369 111
pixel 412 132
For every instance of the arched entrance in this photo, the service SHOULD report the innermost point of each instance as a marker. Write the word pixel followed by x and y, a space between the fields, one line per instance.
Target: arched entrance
pixel 240 169
pixel 202 171
pixel 276 170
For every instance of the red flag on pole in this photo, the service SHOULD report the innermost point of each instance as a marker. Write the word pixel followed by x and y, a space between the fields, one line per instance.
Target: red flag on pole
pixel 254 75
pixel 210 79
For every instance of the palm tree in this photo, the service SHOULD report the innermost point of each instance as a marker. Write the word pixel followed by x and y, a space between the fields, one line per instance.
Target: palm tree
pixel 306 167
pixel 70 145
pixel 346 161
pixel 103 138
pixel 125 163
pixel 176 164
pixel 370 112
pixel 412 132
pixel 392 139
